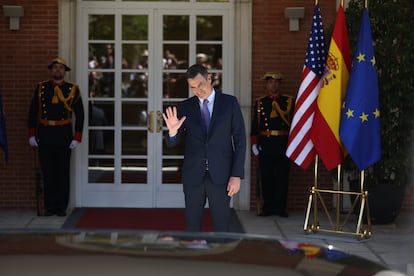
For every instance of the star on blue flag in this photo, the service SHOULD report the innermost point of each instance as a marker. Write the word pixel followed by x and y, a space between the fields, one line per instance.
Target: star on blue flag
pixel 360 117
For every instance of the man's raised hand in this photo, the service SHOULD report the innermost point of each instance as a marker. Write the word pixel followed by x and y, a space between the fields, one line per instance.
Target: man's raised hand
pixel 172 121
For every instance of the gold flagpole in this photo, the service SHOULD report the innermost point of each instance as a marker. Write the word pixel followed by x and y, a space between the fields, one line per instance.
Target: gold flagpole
pixel 338 197
pixel 315 185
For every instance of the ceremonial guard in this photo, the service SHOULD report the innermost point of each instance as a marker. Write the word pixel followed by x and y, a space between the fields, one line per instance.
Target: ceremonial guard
pixel 51 130
pixel 269 137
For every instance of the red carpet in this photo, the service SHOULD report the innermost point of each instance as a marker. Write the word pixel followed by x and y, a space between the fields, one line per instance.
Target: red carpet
pixel 137 219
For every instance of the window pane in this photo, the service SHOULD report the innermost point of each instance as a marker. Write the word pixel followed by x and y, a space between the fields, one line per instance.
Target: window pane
pixel 175 85
pixel 134 114
pixel 134 27
pixel 171 171
pixel 135 85
pixel 209 28
pixel 101 141
pixel 134 171
pixel 134 142
pixel 101 171
pixel 101 27
pixel 101 55
pixel 101 84
pixel 175 56
pixel 135 56
pixel 101 113
pixel 176 27
pixel 209 55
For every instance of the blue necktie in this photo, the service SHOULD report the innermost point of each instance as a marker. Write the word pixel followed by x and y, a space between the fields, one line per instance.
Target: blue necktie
pixel 206 114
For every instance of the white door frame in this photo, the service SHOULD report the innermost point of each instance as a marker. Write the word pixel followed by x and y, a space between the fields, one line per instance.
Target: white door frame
pixel 241 86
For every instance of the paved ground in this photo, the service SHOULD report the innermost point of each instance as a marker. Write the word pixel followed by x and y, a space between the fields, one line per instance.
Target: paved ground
pixel 391 245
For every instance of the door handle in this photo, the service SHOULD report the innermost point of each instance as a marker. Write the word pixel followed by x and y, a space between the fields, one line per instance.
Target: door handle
pixel 151 122
pixel 159 121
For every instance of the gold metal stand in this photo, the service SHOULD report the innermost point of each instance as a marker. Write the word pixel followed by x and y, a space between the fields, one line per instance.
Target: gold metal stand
pixel 315 196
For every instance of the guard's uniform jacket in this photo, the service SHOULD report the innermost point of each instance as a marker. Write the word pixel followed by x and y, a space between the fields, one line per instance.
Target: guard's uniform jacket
pixel 271 124
pixel 50 114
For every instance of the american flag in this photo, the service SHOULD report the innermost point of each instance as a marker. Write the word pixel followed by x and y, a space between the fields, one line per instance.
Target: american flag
pixel 300 147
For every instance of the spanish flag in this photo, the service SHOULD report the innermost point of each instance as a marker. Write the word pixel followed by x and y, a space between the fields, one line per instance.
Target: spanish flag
pixel 325 127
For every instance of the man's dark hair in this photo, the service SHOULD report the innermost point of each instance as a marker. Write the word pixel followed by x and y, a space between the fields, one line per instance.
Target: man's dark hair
pixel 196 69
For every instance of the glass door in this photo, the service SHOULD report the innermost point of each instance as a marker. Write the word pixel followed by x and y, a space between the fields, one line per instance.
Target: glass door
pixel 187 38
pixel 134 68
pixel 120 154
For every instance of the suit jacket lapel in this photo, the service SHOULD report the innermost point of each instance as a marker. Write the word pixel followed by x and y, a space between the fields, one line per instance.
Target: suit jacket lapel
pixel 216 109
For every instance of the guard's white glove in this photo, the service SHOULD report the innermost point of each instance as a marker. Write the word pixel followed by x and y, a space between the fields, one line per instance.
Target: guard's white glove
pixel 33 142
pixel 73 144
pixel 255 150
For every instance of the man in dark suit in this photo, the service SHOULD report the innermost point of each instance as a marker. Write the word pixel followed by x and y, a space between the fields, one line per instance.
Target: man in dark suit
pixel 215 148
pixel 51 130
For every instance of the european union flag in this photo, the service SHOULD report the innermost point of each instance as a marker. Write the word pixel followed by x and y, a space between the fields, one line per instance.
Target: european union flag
pixel 3 135
pixel 360 117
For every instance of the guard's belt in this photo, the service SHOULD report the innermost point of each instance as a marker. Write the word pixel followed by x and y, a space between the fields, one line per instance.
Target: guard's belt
pixel 274 132
pixel 55 122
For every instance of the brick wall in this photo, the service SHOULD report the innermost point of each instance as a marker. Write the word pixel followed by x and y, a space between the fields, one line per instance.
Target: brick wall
pixel 408 203
pixel 23 62
pixel 25 54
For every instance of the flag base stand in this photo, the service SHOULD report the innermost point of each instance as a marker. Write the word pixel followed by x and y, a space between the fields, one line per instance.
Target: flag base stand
pixel 337 227
pixel 337 221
